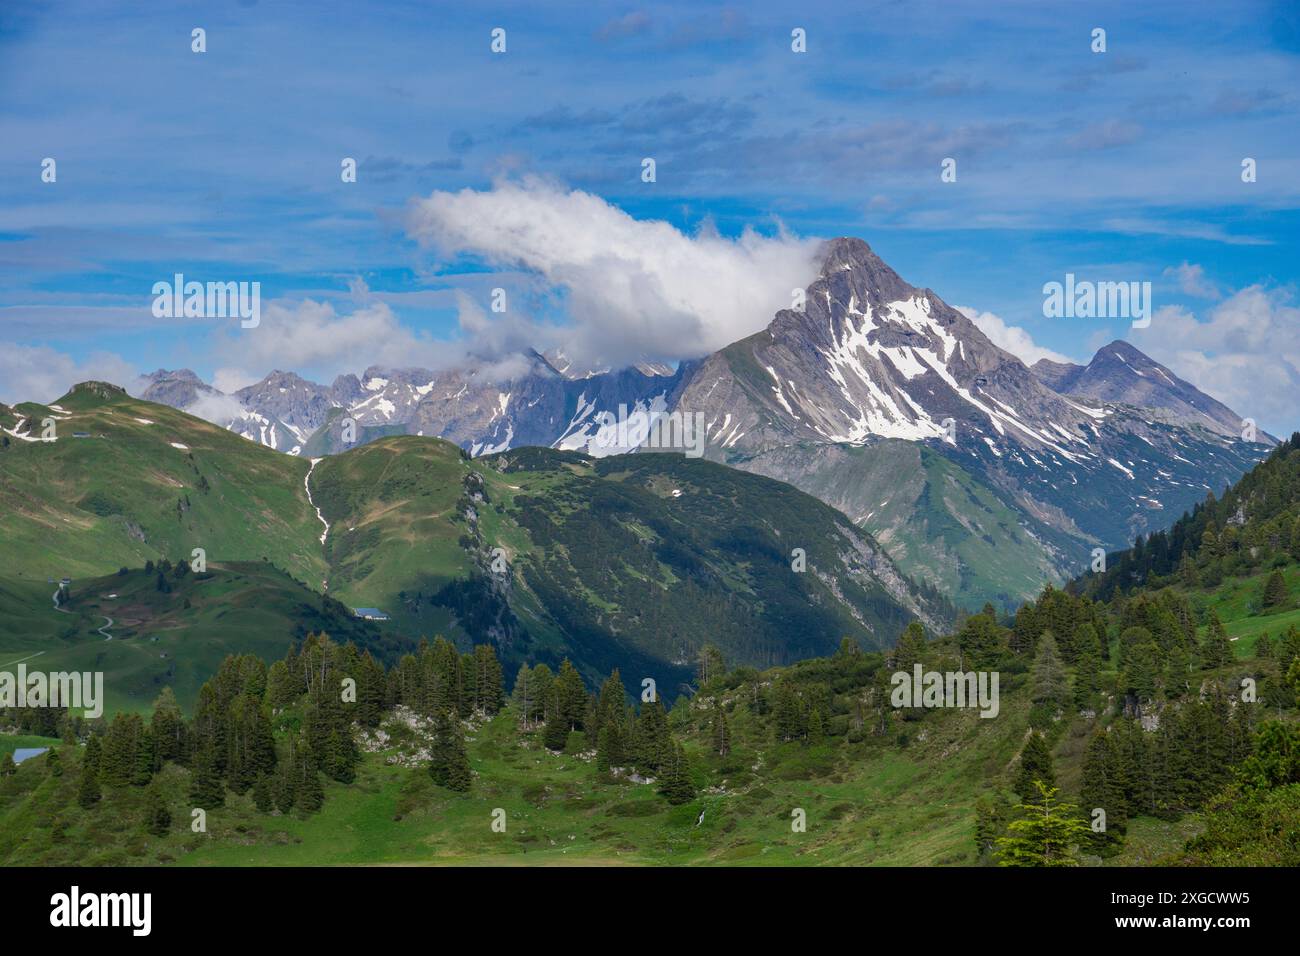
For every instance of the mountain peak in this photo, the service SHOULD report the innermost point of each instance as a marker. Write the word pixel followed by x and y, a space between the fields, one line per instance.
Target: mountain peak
pixel 1121 372
pixel 846 252
pixel 850 256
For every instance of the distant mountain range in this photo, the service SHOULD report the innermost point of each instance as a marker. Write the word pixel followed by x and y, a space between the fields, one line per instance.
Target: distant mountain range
pixel 979 474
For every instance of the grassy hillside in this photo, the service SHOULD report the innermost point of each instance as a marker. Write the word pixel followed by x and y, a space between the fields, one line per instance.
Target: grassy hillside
pixel 937 521
pixel 145 482
pixel 168 639
pixel 541 553
pixel 632 561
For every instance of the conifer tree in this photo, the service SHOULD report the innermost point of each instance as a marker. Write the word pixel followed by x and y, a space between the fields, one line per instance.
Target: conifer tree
pixel 910 647
pixel 990 823
pixel 1045 834
pixel 555 735
pixel 1035 767
pixel 7 766
pixel 1217 651
pixel 168 727
pixel 263 797
pixel 675 783
pixel 1050 683
pixel 982 640
pixel 54 763
pixel 449 764
pixel 206 789
pixel 570 696
pixel 309 795
pixel 721 732
pixel 610 747
pixel 652 743
pixel 710 664
pixel 1105 789
pixel 1087 679
pixel 1275 591
pixel 816 726
pixel 787 713
pixel 158 819
pixel 88 793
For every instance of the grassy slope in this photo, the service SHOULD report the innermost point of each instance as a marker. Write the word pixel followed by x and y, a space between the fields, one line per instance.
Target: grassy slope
pixel 240 608
pixel 1237 602
pixel 398 506
pixel 87 506
pixel 936 520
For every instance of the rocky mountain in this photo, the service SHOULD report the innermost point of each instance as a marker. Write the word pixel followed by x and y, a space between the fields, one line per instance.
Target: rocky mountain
pixel 982 476
pixel 871 358
pixel 180 388
pixel 1121 374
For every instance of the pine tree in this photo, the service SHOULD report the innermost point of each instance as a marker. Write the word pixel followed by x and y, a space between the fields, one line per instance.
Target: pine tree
pixel 1050 683
pixel 710 664
pixel 570 696
pixel 555 736
pixel 88 793
pixel 652 743
pixel 990 823
pixel 1217 650
pixel 1035 767
pixel 157 818
pixel 982 640
pixel 309 795
pixel 7 766
pixel 1275 591
pixel 1141 670
pixel 787 714
pixel 54 763
pixel 1087 679
pixel 1046 833
pixel 721 732
pixel 448 764
pixel 263 797
pixel 1104 788
pixel 609 748
pixel 816 726
pixel 206 788
pixel 675 783
pixel 910 647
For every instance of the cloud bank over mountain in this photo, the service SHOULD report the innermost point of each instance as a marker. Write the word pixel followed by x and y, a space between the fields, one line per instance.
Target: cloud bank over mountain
pixel 633 289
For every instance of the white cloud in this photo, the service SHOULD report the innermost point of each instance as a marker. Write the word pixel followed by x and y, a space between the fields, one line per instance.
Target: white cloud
pixel 1244 353
pixel 230 380
pixel 1011 338
pixel 634 289
pixel 42 374
pixel 1192 281
pixel 311 337
pixel 218 409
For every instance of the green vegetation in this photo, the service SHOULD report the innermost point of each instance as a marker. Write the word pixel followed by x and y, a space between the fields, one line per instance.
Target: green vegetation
pixel 629 562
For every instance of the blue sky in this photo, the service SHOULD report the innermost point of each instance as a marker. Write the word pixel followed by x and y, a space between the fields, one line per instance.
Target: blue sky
pixel 1115 166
